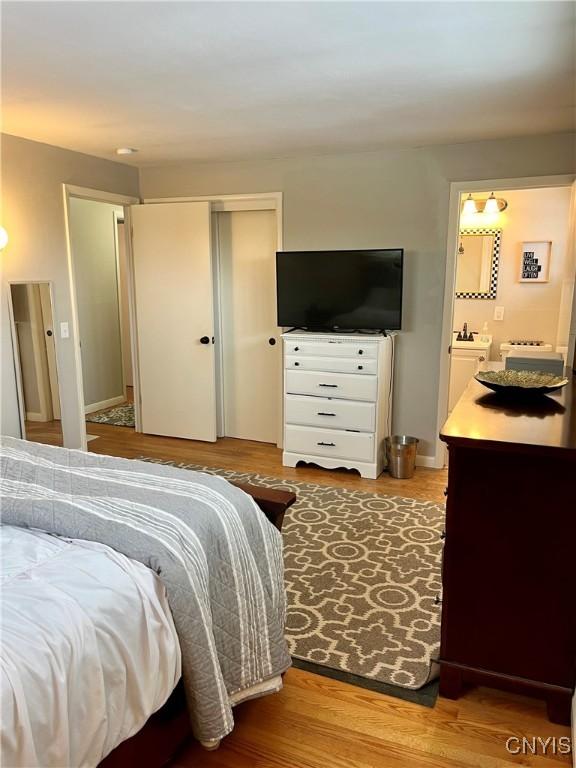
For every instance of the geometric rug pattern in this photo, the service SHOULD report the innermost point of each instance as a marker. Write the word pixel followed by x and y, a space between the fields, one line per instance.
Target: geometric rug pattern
pixel 362 575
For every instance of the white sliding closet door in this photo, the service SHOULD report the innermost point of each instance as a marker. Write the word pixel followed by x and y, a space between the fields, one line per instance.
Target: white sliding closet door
pixel 251 364
pixel 175 319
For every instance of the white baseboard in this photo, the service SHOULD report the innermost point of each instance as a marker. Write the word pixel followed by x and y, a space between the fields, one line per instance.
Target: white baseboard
pixel 426 461
pixel 35 416
pixel 104 404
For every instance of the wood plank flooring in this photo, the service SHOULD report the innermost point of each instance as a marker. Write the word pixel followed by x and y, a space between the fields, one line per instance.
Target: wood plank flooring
pixel 315 722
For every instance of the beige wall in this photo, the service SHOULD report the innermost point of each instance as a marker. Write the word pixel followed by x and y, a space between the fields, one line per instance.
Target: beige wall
pixel 96 271
pixel 33 214
pixel 380 199
pixel 531 311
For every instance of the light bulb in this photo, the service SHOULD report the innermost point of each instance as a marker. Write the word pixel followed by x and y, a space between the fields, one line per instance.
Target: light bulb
pixel 3 238
pixel 491 206
pixel 469 206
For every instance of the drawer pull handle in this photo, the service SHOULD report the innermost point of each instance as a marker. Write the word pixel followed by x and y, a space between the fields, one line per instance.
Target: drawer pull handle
pixel 335 386
pixel 324 413
pixel 437 600
pixel 330 445
pixel 296 349
pixel 443 536
pixel 296 363
pixel 360 367
pixel 360 351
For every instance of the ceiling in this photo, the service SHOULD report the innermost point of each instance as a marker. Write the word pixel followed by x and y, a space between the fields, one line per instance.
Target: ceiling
pixel 220 81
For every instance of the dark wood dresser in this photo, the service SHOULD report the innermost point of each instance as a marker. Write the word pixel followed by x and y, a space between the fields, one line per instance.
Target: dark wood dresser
pixel 509 572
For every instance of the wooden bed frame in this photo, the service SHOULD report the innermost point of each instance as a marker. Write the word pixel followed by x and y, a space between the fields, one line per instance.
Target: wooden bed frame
pixel 166 730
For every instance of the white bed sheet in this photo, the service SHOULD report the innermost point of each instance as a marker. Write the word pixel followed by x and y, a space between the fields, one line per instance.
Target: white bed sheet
pixel 88 649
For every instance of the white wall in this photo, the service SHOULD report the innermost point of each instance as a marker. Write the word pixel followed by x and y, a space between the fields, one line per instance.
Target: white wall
pixel 33 214
pixel 531 310
pixel 96 270
pixel 388 198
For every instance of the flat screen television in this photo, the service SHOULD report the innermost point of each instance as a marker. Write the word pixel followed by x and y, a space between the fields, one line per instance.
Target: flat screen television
pixel 340 290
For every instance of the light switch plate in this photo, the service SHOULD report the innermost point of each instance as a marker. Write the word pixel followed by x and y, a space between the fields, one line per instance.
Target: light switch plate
pixel 64 331
pixel 498 313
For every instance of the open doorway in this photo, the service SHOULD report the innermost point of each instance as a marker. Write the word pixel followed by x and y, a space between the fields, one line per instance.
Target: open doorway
pixel 32 319
pixel 101 280
pixel 510 279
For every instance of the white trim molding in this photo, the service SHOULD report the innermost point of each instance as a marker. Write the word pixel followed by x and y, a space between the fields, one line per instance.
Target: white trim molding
pixel 103 404
pixel 426 461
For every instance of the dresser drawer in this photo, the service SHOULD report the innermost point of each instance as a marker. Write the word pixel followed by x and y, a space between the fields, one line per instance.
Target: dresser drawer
pixel 336 414
pixel 349 386
pixel 332 348
pixel 329 442
pixel 335 364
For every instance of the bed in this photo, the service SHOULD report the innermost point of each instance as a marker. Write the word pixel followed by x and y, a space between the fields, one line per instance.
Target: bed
pixel 118 576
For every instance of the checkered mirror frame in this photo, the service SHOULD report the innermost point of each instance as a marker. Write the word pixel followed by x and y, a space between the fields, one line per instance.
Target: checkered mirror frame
pixel 491 292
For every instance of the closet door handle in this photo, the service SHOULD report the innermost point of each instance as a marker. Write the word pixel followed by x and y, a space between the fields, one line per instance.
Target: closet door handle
pixel 323 413
pixel 271 341
pixel 334 386
pixel 329 445
pixel 48 333
pixel 205 340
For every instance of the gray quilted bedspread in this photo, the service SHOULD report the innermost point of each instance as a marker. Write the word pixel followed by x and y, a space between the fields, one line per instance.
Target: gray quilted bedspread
pixel 217 554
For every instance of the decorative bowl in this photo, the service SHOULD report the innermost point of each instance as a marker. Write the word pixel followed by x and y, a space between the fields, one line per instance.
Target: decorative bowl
pixel 521 383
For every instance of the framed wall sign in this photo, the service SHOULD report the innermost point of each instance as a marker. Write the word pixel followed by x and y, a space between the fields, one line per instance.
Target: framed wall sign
pixel 535 262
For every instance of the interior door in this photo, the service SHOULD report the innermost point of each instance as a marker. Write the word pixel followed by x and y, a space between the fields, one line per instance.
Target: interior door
pixel 251 354
pixel 171 245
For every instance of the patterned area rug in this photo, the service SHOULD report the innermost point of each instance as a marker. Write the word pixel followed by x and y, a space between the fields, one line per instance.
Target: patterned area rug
pixel 119 416
pixel 362 576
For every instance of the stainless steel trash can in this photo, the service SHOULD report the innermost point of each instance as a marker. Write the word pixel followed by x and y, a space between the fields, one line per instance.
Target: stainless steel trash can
pixel 401 455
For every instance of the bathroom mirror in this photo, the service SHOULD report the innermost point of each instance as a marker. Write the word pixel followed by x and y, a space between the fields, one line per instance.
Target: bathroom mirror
pixel 477 263
pixel 33 340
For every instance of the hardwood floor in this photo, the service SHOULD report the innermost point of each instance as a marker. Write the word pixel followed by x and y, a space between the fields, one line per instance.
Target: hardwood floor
pixel 315 722
pixel 249 456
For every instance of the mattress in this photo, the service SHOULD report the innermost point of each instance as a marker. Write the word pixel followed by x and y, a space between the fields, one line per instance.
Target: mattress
pixel 88 653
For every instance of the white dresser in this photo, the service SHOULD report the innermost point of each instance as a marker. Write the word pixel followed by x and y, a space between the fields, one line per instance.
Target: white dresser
pixel 337 400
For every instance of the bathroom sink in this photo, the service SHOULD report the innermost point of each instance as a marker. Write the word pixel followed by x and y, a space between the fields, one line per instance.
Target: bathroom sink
pixel 476 344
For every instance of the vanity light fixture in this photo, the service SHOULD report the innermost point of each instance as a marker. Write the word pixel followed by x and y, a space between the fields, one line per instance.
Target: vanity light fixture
pixel 3 238
pixel 470 206
pixel 490 206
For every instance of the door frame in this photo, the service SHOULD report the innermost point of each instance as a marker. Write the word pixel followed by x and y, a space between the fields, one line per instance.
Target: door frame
pixel 258 201
pixel 121 219
pixel 51 353
pixel 99 196
pixel 457 188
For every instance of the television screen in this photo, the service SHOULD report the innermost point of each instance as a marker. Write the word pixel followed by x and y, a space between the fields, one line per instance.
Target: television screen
pixel 340 290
